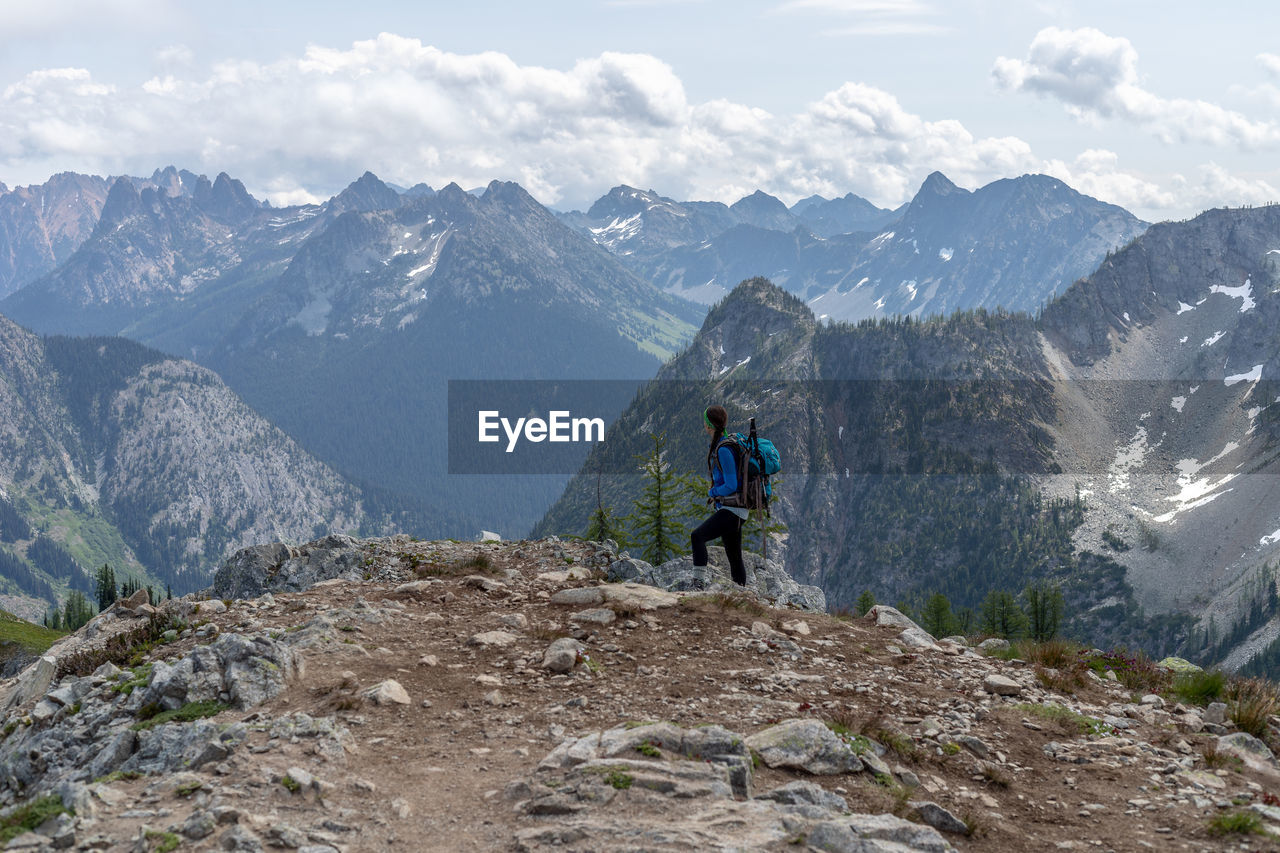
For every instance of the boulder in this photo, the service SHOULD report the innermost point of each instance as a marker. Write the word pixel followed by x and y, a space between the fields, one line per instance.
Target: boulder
pixel 251 572
pixel 860 832
pixel 1179 666
pixel 940 818
pixel 389 692
pixel 766 578
pixel 561 655
pixel 1253 752
pixel 804 744
pixel 1001 686
pixel 883 614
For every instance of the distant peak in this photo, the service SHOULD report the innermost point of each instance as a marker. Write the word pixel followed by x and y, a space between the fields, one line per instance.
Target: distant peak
pixel 123 201
pixel 366 193
pixel 938 184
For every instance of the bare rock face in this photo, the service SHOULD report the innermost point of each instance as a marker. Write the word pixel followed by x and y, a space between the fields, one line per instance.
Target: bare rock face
pixel 254 571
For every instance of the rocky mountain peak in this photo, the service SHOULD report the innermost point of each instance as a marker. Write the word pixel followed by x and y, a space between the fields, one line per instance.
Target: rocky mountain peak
pixel 367 193
pixel 623 201
pixel 763 211
pixel 937 184
pixel 123 201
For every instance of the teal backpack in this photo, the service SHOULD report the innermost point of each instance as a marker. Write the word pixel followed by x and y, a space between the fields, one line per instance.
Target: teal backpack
pixel 757 459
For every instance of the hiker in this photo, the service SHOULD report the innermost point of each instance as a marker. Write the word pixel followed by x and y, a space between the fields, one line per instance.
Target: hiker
pixel 726 523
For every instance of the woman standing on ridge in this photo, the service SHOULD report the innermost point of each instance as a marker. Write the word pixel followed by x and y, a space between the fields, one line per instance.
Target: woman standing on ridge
pixel 726 523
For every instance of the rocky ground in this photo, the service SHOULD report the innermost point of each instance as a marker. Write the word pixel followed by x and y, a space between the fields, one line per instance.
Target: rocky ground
pixel 393 694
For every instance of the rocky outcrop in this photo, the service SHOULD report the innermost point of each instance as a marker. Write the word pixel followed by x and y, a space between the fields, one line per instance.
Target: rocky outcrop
pixel 765 578
pixel 253 571
pixel 615 789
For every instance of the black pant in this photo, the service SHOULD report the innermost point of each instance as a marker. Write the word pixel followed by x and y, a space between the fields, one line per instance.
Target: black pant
pixel 727 527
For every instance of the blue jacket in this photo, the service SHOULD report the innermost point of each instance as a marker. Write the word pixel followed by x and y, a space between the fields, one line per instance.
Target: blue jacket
pixel 724 477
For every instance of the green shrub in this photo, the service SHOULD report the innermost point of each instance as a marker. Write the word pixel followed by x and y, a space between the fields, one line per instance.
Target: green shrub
pixel 1199 688
pixel 1236 823
pixel 28 816
pixel 186 714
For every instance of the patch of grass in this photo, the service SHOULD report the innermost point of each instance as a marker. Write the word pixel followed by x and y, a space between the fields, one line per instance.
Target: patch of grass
pixel 1250 701
pixel 27 817
pixel 141 675
pixel 475 564
pixel 164 841
pixel 291 784
pixel 1237 823
pixel 34 638
pixel 186 789
pixel 619 779
pixel 1066 719
pixel 1215 760
pixel 994 775
pixel 1054 654
pixel 1199 688
pixel 951 748
pixel 649 749
pixel 186 714
pixel 723 601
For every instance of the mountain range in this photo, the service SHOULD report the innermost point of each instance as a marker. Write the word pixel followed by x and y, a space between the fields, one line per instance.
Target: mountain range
pixel 343 322
pixel 1012 244
pixel 1123 444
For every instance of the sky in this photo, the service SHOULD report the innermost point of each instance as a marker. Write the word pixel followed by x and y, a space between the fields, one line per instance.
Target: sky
pixel 1166 108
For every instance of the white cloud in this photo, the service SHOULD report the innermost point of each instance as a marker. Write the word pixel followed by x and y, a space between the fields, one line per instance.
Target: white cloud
pixel 300 128
pixel 411 112
pixel 1096 75
pixel 1270 62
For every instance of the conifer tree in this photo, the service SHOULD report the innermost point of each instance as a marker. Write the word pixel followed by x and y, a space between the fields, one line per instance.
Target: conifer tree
pixel 76 610
pixel 865 602
pixel 105 586
pixel 1000 615
pixel 654 522
pixel 936 616
pixel 1044 610
pixel 604 523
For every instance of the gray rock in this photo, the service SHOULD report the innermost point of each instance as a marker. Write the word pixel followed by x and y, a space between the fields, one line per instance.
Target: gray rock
pixel 176 746
pixel 976 746
pixel 1250 750
pixel 801 792
pixel 492 639
pixel 1001 686
pixel 804 744
pixel 994 644
pixel 766 578
pixel 34 681
pixel 561 655
pixel 918 638
pixel 389 692
pixel 883 614
pixel 251 572
pixel 586 596
pixel 1216 713
pixel 595 616
pixel 941 819
pixel 876 834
